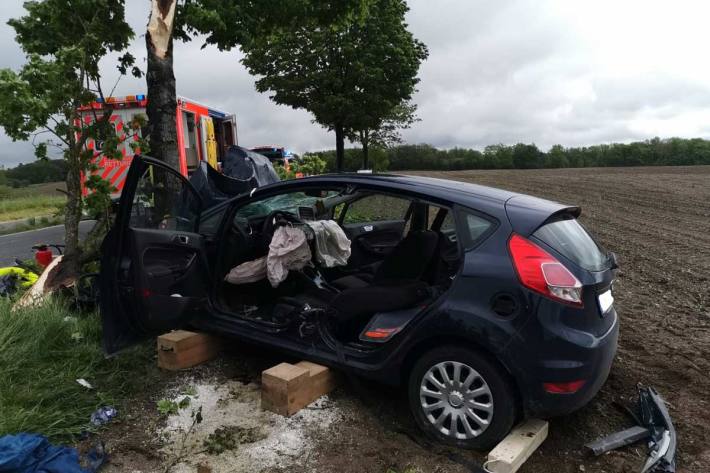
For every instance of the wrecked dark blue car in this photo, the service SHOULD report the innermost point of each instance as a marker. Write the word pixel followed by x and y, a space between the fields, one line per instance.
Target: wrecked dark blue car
pixel 484 304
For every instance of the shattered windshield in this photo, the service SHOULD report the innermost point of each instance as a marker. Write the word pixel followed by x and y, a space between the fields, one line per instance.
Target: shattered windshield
pixel 285 202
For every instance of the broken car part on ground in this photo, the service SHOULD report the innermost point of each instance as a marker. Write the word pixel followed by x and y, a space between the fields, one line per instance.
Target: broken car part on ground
pixel 654 425
pixel 451 289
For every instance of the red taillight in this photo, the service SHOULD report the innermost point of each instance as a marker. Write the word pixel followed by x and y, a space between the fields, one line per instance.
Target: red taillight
pixel 541 272
pixel 569 387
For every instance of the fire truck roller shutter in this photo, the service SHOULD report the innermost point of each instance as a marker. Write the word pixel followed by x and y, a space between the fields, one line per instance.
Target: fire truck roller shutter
pixel 209 144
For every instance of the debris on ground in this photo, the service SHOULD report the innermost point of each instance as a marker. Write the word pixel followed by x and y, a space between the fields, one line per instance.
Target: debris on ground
pixel 654 424
pixel 235 435
pixel 30 453
pixel 84 383
pixel 230 437
pixel 15 278
pixel 36 294
pixel 95 458
pixel 103 415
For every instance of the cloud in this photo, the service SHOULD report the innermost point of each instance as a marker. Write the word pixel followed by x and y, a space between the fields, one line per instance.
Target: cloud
pixel 547 72
pixel 564 72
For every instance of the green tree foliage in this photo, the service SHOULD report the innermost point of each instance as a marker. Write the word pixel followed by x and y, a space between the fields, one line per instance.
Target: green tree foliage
pixel 349 69
pixel 353 159
pixel 655 152
pixel 385 132
pixel 310 164
pixel 38 172
pixel 63 42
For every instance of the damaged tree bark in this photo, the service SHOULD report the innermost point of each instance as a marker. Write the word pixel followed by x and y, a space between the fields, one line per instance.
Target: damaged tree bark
pixel 160 80
pixel 66 273
pixel 72 217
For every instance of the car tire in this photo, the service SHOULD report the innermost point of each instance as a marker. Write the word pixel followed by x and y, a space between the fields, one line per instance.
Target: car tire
pixel 489 389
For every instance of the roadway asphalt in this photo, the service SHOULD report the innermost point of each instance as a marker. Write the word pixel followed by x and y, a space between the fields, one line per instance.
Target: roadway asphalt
pixel 19 245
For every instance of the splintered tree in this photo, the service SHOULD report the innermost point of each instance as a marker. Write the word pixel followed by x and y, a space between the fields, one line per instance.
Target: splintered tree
pixel 160 79
pixel 226 24
pixel 64 42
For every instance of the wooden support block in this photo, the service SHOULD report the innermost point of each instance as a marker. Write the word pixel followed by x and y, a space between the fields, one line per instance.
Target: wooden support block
pixel 182 349
pixel 280 386
pixel 287 388
pixel 510 454
pixel 322 379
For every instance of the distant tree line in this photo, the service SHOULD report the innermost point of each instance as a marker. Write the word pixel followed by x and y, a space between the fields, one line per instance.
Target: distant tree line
pixel 36 172
pixel 654 152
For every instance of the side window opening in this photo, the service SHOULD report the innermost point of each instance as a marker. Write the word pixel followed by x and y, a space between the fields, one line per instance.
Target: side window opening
pixel 164 201
pixel 441 219
pixel 394 241
pixel 209 223
pixel 376 208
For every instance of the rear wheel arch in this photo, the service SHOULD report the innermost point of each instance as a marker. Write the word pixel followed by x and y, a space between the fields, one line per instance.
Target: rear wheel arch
pixel 450 419
pixel 424 346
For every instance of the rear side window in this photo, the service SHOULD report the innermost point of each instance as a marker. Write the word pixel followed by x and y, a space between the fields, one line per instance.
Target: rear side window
pixel 571 239
pixel 475 228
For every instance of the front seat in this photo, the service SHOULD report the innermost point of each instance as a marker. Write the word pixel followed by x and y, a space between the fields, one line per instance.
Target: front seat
pixel 409 260
pixel 396 285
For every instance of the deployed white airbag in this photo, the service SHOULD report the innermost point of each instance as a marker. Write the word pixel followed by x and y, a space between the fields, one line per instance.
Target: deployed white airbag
pixel 332 246
pixel 288 251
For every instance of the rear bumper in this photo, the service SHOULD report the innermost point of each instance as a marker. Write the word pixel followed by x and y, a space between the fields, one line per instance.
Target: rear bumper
pixel 587 358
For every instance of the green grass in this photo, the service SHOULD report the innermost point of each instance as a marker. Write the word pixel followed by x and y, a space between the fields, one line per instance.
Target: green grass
pixel 42 353
pixel 15 208
pixel 31 201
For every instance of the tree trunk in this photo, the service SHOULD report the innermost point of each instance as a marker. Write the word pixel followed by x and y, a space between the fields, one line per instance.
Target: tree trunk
pixel 67 272
pixel 365 141
pixel 160 79
pixel 339 147
pixel 91 247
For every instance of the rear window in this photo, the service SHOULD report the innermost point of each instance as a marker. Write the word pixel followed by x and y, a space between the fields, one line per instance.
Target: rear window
pixel 571 239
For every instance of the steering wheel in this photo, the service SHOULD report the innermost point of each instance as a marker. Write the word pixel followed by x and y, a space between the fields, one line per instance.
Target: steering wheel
pixel 273 218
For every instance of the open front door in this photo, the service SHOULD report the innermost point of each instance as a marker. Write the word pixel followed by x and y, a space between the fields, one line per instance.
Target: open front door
pixel 154 273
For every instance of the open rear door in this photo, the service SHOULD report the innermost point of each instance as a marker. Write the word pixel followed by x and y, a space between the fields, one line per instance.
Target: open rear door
pixel 154 272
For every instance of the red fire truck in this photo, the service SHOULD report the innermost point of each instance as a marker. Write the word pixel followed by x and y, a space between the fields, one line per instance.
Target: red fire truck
pixel 204 134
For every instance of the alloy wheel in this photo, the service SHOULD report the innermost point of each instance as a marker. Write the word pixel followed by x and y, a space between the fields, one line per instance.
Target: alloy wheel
pixel 456 400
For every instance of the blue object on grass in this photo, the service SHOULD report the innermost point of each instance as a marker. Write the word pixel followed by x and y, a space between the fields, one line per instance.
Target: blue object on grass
pixel 32 453
pixel 103 415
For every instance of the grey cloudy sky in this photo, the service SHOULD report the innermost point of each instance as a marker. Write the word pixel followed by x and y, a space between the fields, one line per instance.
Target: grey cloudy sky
pixel 506 71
